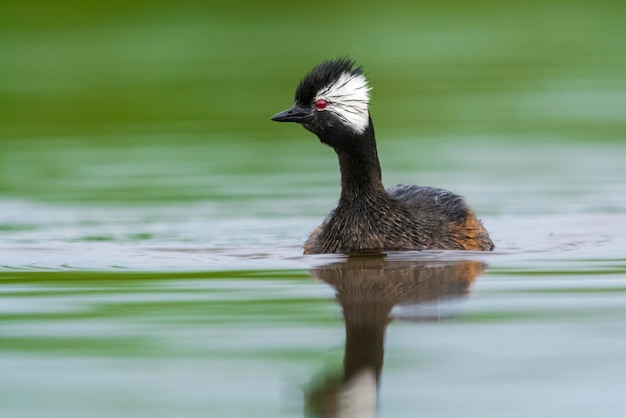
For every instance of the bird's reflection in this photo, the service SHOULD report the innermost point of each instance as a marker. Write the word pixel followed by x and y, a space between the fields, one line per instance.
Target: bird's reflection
pixel 368 287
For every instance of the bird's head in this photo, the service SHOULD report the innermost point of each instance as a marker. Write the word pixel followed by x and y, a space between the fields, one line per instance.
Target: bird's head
pixel 331 101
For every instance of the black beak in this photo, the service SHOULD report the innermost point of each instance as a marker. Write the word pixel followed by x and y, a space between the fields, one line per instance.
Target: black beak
pixel 294 114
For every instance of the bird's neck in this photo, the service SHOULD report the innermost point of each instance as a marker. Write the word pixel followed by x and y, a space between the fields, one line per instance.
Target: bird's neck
pixel 359 165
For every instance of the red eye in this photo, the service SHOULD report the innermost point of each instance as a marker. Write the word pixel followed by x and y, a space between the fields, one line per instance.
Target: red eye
pixel 320 104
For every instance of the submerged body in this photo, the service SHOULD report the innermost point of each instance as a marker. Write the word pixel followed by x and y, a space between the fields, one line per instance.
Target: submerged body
pixel 332 102
pixel 405 217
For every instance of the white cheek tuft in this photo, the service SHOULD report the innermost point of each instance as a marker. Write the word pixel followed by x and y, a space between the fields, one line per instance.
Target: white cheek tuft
pixel 348 98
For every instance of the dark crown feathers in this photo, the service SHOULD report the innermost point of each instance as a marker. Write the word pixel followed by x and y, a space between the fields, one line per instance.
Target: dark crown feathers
pixel 323 75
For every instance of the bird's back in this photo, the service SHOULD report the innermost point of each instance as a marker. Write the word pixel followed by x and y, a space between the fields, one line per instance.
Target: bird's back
pixel 425 200
pixel 452 223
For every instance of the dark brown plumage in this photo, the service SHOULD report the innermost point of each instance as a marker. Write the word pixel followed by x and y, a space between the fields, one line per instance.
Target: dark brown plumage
pixel 331 101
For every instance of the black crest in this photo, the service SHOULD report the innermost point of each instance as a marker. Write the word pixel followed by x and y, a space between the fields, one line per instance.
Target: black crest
pixel 323 75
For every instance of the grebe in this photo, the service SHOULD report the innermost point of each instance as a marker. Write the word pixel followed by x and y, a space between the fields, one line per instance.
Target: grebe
pixel 332 102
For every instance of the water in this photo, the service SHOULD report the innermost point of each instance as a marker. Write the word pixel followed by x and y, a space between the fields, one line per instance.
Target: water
pixel 151 217
pixel 207 308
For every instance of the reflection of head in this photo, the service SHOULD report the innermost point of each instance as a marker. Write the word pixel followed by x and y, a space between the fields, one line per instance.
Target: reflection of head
pixel 368 287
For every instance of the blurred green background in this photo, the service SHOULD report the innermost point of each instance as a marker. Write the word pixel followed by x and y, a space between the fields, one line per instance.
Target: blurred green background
pixel 73 68
pixel 155 78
